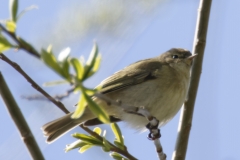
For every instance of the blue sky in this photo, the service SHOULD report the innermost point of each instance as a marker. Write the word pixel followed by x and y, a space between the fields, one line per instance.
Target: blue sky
pixel 215 130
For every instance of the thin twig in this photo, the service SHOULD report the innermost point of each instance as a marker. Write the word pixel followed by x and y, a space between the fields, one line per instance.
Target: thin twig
pixel 61 106
pixel 22 44
pixel 57 97
pixel 19 121
pixel 34 84
pixel 185 122
pixel 142 112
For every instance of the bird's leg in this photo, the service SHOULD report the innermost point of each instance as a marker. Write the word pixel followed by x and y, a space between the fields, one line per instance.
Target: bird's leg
pixel 152 126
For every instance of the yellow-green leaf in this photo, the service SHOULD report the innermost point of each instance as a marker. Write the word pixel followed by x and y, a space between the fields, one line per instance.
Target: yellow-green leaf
pixel 84 148
pixel 107 146
pixel 64 54
pixel 88 139
pixel 97 130
pixel 117 156
pixel 119 145
pixel 54 83
pixel 78 67
pixel 11 26
pixel 91 61
pixel 50 60
pixel 4 44
pixel 13 7
pixel 97 110
pixel 80 108
pixel 117 132
pixel 76 144
pixel 26 10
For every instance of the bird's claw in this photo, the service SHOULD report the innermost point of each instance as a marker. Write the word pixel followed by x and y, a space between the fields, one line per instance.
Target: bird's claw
pixel 153 129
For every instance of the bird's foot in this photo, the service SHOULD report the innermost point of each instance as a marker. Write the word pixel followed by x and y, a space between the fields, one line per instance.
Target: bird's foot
pixel 152 126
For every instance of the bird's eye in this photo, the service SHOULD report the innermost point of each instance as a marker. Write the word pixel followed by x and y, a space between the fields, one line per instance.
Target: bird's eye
pixel 175 56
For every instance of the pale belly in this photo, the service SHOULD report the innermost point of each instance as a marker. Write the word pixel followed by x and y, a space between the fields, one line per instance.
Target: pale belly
pixel 162 100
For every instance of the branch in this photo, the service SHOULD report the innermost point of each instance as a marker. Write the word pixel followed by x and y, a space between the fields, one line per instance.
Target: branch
pixel 61 106
pixel 34 84
pixel 185 122
pixel 58 97
pixel 152 126
pixel 19 121
pixel 22 44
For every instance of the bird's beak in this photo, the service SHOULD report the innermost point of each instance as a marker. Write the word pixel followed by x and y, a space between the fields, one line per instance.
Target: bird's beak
pixel 190 59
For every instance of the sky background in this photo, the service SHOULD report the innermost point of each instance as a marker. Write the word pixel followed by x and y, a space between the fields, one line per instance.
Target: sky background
pixel 127 32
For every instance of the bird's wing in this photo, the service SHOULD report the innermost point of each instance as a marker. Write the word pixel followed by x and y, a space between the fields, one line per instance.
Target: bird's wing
pixel 136 73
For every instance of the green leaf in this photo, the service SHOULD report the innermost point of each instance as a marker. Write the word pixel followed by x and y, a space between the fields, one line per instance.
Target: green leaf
pixel 85 148
pixel 117 132
pixel 80 108
pixel 78 67
pixel 64 54
pixel 13 7
pixel 65 70
pixel 107 146
pixel 87 139
pixel 11 26
pixel 50 60
pixel 117 156
pixel 91 61
pixel 26 10
pixel 97 130
pixel 97 110
pixel 76 144
pixel 95 67
pixel 4 44
pixel 26 45
pixel 119 145
pixel 54 83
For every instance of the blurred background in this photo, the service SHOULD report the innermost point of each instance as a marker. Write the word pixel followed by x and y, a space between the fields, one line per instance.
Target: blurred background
pixel 127 31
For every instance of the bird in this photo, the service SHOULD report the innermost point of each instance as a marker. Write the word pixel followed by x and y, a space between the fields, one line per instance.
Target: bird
pixel 159 84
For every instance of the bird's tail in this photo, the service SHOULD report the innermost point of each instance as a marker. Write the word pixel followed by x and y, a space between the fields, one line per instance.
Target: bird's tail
pixel 55 129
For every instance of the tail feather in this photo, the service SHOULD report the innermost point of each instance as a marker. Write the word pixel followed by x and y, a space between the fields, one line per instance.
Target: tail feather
pixel 55 129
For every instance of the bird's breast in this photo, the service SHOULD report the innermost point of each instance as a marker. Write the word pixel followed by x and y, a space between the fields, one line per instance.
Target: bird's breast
pixel 162 97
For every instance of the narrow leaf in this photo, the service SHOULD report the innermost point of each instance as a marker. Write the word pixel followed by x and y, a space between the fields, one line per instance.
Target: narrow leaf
pixel 119 145
pixel 50 60
pixel 91 61
pixel 64 54
pixel 95 67
pixel 54 83
pixel 4 44
pixel 117 156
pixel 87 139
pixel 13 7
pixel 11 26
pixel 85 148
pixel 78 67
pixel 26 10
pixel 64 63
pixel 76 144
pixel 117 132
pixel 97 110
pixel 107 146
pixel 97 130
pixel 80 108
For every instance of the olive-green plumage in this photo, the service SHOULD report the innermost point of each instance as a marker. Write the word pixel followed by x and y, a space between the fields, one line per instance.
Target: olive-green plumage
pixel 159 84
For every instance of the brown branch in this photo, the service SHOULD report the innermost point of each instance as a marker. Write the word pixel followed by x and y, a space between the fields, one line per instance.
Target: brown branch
pixel 58 97
pixel 19 121
pixel 34 84
pixel 61 106
pixel 21 43
pixel 185 122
